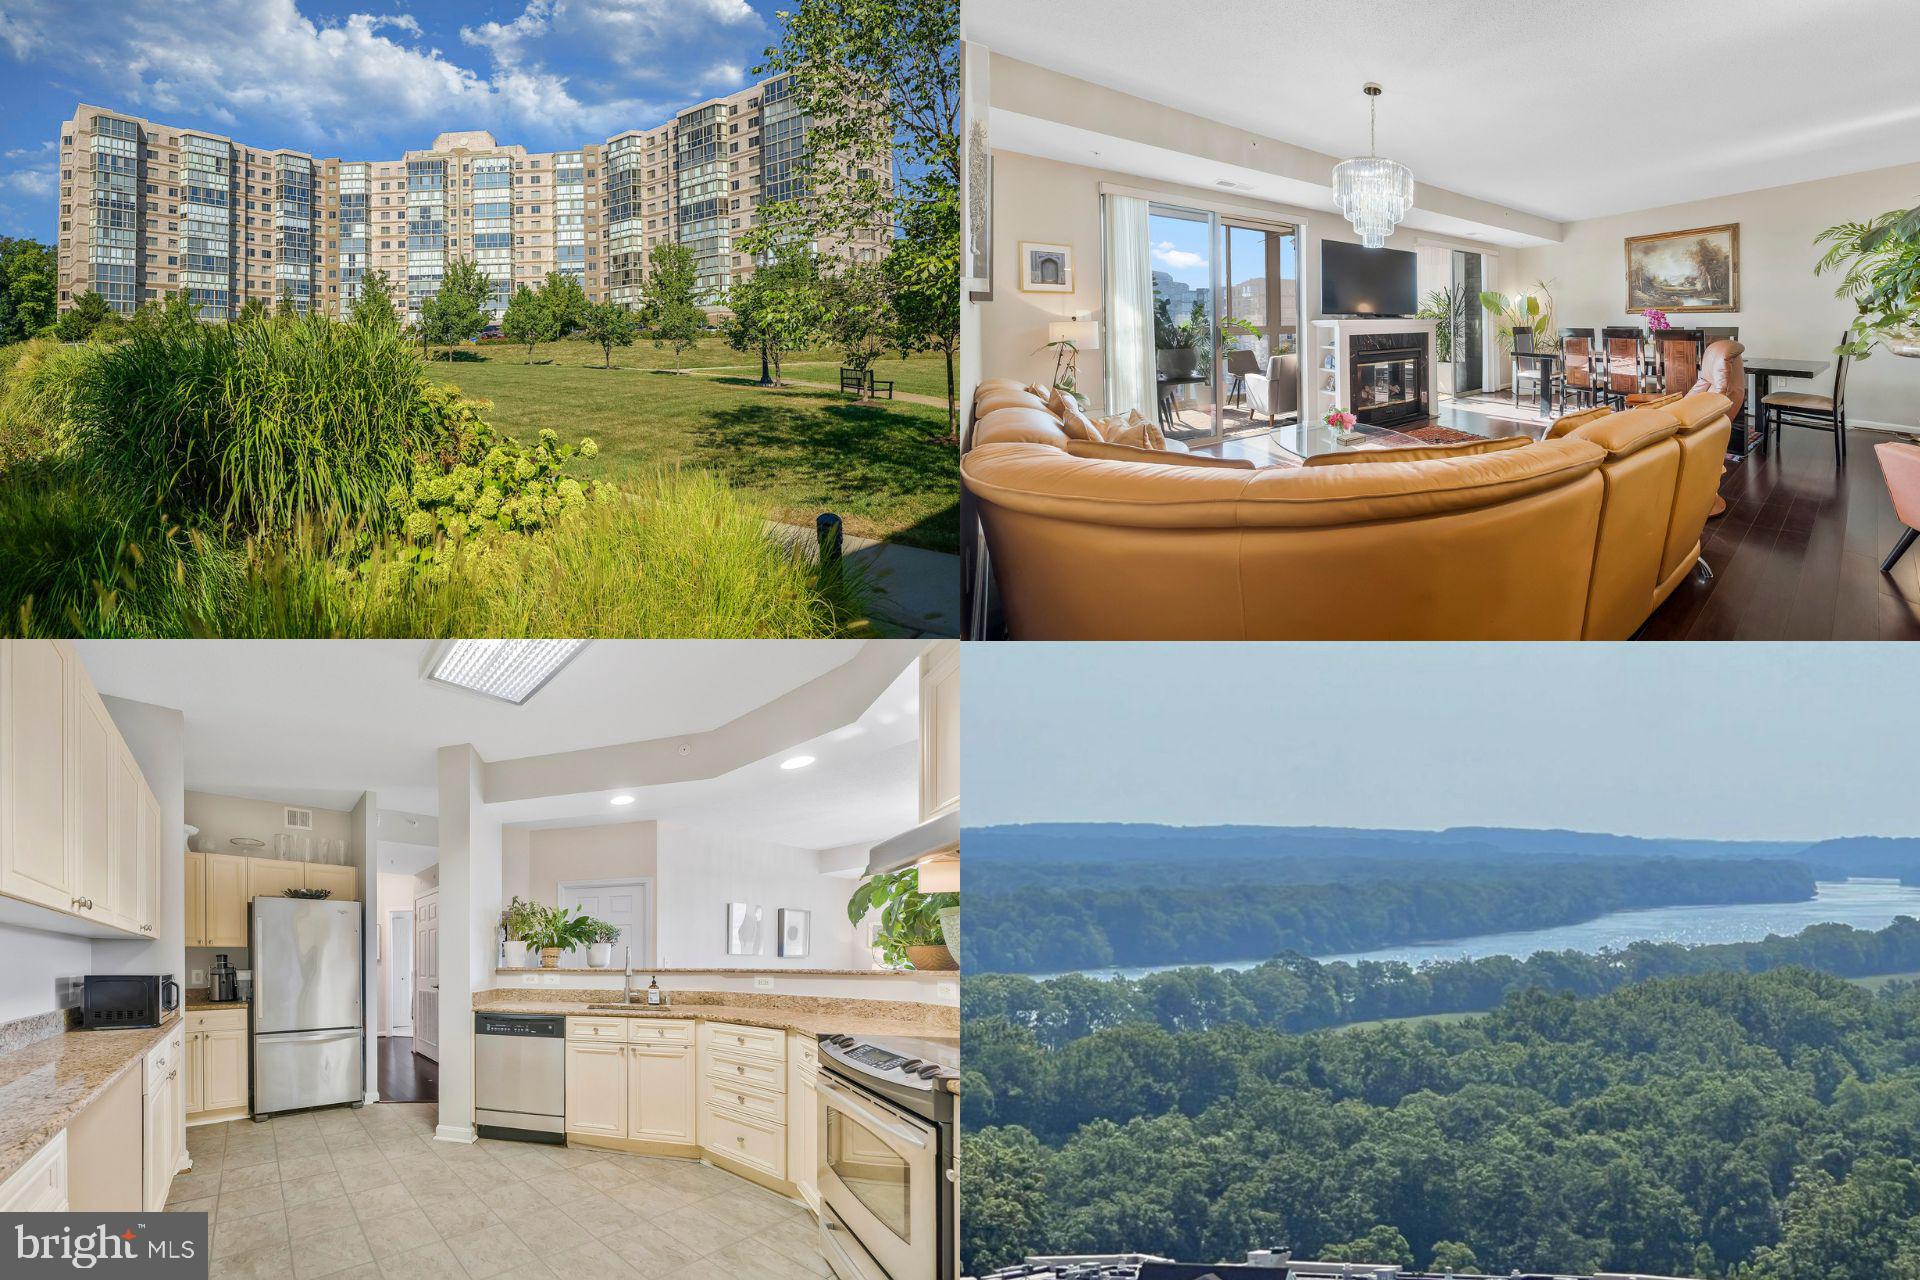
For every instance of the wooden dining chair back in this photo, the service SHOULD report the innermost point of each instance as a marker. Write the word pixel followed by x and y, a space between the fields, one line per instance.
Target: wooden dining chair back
pixel 1623 365
pixel 1679 352
pixel 1576 365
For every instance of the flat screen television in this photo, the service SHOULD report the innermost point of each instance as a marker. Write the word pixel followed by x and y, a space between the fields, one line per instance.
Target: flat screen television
pixel 1358 281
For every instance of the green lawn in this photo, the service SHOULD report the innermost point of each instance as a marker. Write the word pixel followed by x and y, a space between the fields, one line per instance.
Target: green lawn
pixel 884 467
pixel 1881 980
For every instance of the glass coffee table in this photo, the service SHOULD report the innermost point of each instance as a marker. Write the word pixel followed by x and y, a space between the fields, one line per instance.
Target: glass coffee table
pixel 1311 439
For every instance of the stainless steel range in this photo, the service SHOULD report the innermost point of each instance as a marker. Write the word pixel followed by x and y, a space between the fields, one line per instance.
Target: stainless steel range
pixel 889 1112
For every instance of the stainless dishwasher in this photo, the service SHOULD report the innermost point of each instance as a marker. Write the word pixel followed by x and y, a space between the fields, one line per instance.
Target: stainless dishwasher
pixel 520 1077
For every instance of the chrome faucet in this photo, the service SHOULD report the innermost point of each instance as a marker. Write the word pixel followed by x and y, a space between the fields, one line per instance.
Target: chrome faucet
pixel 626 987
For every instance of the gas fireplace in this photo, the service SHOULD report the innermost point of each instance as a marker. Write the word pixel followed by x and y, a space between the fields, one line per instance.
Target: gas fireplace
pixel 1389 377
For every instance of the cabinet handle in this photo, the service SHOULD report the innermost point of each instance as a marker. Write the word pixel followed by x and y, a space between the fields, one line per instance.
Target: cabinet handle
pixel 740 1139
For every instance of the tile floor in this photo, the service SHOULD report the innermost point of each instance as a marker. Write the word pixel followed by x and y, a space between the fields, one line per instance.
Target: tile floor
pixel 355 1194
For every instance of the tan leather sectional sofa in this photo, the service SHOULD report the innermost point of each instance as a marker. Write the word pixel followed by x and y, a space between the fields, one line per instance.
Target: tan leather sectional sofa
pixel 1577 536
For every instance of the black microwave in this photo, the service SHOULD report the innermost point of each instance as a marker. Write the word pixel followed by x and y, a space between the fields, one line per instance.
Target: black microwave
pixel 110 1000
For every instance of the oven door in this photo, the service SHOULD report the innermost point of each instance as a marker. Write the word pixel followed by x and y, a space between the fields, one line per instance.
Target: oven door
pixel 879 1173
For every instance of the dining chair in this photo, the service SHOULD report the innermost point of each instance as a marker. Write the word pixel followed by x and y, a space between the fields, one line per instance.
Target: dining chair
pixel 1576 381
pixel 1240 363
pixel 1676 364
pixel 1522 339
pixel 1803 409
pixel 1623 370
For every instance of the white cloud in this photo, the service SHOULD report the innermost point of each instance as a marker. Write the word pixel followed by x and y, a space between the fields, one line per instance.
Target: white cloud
pixel 22 153
pixel 28 182
pixel 1176 259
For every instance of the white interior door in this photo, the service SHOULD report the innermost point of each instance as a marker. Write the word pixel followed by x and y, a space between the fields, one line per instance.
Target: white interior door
pixel 400 972
pixel 618 902
pixel 426 975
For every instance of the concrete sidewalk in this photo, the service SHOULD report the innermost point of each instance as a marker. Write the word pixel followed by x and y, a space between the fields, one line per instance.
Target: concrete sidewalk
pixel 914 590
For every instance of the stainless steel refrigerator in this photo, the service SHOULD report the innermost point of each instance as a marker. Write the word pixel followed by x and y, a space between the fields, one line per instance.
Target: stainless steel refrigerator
pixel 307 1019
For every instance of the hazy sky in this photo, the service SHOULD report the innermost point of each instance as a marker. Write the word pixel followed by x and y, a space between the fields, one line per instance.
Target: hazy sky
pixel 1761 741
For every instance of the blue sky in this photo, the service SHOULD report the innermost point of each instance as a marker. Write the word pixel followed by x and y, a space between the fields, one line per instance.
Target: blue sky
pixel 359 80
pixel 1723 741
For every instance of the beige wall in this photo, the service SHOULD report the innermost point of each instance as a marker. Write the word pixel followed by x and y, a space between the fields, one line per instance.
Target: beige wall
pixel 622 852
pixel 1048 201
pixel 220 818
pixel 1785 310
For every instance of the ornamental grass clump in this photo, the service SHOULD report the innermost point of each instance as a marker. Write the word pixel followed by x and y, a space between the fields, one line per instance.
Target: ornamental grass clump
pixel 37 382
pixel 259 425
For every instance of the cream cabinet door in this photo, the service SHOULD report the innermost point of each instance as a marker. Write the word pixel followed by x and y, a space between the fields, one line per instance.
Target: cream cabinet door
pixel 34 737
pixel 159 1144
pixel 343 881
pixel 271 878
pixel 223 1069
pixel 940 729
pixel 597 1089
pixel 803 1137
pixel 226 899
pixel 196 899
pixel 94 823
pixel 196 1069
pixel 147 851
pixel 127 790
pixel 661 1104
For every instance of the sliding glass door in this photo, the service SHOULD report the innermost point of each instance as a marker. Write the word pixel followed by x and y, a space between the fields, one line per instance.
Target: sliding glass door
pixel 1469 337
pixel 1203 316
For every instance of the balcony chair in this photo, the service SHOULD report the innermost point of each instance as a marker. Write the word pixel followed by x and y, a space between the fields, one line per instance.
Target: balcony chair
pixel 1802 409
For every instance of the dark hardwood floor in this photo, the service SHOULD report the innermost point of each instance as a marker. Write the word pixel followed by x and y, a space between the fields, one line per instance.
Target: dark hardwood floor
pixel 1797 555
pixel 405 1076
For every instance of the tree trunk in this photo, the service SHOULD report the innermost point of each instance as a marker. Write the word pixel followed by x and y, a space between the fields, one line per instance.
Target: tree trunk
pixel 766 378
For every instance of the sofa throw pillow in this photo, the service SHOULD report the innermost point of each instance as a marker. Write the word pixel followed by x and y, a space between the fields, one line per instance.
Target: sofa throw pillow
pixel 1077 425
pixel 1137 430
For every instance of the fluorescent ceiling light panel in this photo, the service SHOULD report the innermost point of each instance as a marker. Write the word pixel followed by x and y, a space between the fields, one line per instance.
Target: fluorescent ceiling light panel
pixel 510 670
pixel 796 762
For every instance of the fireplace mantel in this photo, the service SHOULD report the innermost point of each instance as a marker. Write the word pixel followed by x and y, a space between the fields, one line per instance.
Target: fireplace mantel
pixel 1329 370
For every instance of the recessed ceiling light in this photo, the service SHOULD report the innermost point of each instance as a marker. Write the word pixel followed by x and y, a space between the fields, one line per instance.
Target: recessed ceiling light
pixel 796 762
pixel 623 800
pixel 510 670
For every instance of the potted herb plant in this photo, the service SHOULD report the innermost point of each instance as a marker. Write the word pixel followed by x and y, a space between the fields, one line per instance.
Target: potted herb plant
pixel 600 939
pixel 557 930
pixel 516 921
pixel 910 933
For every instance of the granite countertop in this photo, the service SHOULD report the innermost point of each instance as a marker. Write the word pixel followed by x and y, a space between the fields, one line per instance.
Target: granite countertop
pixel 808 1022
pixel 46 1084
pixel 196 1004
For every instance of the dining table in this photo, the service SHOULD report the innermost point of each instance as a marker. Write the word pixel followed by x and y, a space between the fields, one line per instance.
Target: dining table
pixel 1547 365
pixel 1761 371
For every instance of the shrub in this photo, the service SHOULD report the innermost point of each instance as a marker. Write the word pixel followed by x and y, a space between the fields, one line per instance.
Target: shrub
pixel 36 390
pixel 484 483
pixel 259 424
pixel 82 558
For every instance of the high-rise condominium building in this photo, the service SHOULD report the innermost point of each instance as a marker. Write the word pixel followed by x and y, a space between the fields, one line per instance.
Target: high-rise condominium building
pixel 147 209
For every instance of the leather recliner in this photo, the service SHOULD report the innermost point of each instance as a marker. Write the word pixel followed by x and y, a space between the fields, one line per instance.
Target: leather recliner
pixel 1579 536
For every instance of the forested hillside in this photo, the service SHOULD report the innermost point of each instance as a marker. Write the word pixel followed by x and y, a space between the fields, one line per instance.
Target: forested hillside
pixel 1759 1125
pixel 1225 906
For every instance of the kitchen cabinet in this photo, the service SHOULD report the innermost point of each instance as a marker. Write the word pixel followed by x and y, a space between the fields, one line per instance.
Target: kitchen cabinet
pixel 215 1079
pixel 226 899
pixel 743 1100
pixel 596 1088
pixel 270 877
pixel 196 864
pixel 39 1185
pixel 803 1118
pixel 342 881
pixel 164 1139
pixel 939 729
pixel 79 826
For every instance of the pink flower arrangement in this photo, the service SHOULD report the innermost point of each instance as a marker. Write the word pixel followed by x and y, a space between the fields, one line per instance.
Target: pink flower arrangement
pixel 1341 420
pixel 1656 319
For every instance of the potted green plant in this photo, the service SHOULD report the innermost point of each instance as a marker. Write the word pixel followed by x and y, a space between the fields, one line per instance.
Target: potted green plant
pixel 909 934
pixel 1448 309
pixel 516 921
pixel 556 930
pixel 1879 266
pixel 600 939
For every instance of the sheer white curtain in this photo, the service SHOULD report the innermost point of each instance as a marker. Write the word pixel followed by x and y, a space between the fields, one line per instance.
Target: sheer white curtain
pixel 1129 343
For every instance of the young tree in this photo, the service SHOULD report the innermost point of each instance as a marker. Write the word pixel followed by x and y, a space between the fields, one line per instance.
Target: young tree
pixel 454 314
pixel 669 304
pixel 284 308
pixel 252 311
pixel 373 306
pixel 77 324
pixel 179 313
pixel 777 309
pixel 610 325
pixel 27 274
pixel 857 302
pixel 564 297
pixel 924 274
pixel 529 320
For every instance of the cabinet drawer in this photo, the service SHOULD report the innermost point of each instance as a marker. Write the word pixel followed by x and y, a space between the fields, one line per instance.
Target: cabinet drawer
pixel 755 1142
pixel 217 1020
pixel 40 1185
pixel 164 1057
pixel 658 1031
pixel 803 1052
pixel 731 1067
pixel 763 1104
pixel 758 1042
pixel 596 1029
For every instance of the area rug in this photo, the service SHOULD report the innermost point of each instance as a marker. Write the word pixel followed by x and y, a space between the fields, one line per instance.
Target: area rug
pixel 1441 435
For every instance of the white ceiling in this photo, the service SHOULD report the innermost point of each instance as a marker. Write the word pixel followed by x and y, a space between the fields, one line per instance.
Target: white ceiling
pixel 1564 110
pixel 321 722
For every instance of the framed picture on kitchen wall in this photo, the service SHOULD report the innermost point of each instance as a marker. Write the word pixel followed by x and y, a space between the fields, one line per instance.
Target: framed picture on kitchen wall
pixel 1046 268
pixel 1697 270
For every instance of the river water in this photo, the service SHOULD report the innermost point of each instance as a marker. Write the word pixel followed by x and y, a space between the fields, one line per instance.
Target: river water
pixel 1864 904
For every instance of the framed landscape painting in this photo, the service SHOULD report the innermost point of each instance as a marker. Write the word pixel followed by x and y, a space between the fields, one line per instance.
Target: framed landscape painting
pixel 1697 270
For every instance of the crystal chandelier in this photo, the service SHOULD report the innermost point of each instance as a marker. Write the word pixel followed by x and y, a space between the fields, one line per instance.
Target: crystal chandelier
pixel 1374 194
